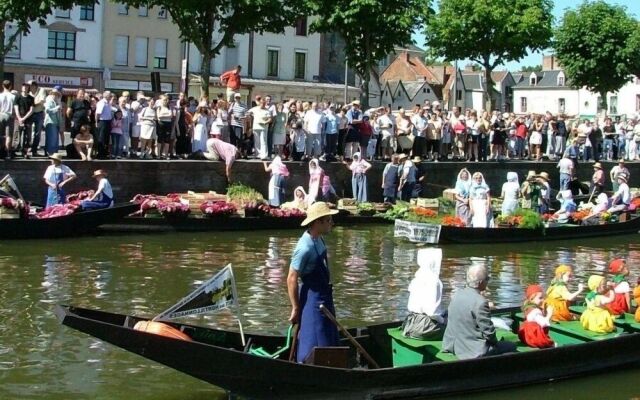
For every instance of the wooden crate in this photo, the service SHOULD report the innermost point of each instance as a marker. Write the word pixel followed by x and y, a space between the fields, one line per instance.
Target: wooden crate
pixel 9 213
pixel 342 203
pixel 449 194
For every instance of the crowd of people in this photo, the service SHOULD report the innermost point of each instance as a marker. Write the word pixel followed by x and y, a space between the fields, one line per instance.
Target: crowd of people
pixel 137 126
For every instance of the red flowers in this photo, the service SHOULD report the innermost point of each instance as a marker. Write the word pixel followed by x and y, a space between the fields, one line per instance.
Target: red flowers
pixel 450 220
pixel 78 197
pixel 287 213
pixel 58 210
pixel 424 212
pixel 217 209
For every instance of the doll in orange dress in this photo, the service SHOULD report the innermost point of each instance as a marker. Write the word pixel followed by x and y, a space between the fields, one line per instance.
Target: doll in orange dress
pixel 558 295
pixel 534 331
pixel 636 297
pixel 622 302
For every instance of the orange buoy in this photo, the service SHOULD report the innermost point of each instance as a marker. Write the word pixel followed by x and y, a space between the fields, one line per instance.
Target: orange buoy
pixel 162 329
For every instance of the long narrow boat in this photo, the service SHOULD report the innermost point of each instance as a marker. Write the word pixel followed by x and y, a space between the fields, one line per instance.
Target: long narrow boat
pixel 203 224
pixel 466 235
pixel 75 224
pixel 218 357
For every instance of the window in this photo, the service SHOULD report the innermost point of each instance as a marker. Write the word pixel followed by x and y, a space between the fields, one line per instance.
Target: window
pixel 561 80
pixel 62 13
pixel 123 9
pixel 533 80
pixel 230 58
pixel 301 65
pixel 458 95
pixel 142 45
pixel 143 11
pixel 121 56
pixel 86 12
pixel 301 26
pixel 160 54
pixel 600 103
pixel 162 13
pixel 523 104
pixel 613 105
pixel 272 62
pixel 561 105
pixel 62 45
pixel 11 30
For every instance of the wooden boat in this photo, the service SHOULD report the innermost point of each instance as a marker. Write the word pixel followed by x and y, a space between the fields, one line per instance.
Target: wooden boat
pixel 75 224
pixel 408 368
pixel 204 224
pixel 466 235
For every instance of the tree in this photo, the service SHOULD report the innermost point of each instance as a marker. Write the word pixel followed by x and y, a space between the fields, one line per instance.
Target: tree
pixel 22 13
pixel 532 68
pixel 371 30
pixel 489 32
pixel 597 46
pixel 211 24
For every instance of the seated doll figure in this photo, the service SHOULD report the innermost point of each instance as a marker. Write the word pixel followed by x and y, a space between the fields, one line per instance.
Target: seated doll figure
pixel 426 316
pixel 558 295
pixel 597 318
pixel 534 330
pixel 621 303
pixel 636 297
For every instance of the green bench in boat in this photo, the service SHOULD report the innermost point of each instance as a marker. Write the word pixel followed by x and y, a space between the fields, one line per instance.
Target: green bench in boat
pixel 626 321
pixel 407 351
pixel 572 332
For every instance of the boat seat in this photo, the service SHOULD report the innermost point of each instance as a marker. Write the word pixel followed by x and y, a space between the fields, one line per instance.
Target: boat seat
pixel 571 332
pixel 259 351
pixel 409 351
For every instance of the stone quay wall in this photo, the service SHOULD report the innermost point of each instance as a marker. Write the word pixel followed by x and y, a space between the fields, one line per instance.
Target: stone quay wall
pixel 129 178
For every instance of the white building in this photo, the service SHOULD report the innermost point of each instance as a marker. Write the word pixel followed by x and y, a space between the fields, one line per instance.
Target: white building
pixel 65 51
pixel 539 92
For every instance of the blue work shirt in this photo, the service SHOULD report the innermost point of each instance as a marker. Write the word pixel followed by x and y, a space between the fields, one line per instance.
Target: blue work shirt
pixel 306 253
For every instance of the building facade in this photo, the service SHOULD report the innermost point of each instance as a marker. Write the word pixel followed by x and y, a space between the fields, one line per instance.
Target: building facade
pixel 66 50
pixel 137 42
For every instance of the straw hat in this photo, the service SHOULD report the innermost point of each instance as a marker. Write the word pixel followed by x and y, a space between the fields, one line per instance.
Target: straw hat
pixel 417 159
pixel 623 177
pixel 544 176
pixel 531 174
pixel 597 165
pixel 237 95
pixel 355 102
pixel 402 156
pixel 56 156
pixel 99 172
pixel 317 210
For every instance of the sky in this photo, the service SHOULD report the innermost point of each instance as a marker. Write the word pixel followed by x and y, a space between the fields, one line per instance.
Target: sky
pixel 633 7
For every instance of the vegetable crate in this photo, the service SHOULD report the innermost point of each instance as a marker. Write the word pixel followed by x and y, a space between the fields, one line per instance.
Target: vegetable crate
pixel 449 194
pixel 9 213
pixel 432 204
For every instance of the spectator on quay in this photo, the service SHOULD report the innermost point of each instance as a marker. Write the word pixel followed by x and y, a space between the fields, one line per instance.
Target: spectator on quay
pixel 237 111
pixel 390 180
pixel 183 128
pixel 521 138
pixel 52 121
pixel 630 145
pixel 573 151
pixel 39 95
pixel 566 167
pixel 78 112
pixel 279 130
pixel 125 109
pixel 271 106
pixel 434 133
pixel 331 132
pixel 636 142
pixel 24 115
pixel 148 121
pixel 352 139
pixel 535 139
pixel 447 137
pixel 404 128
pixel 200 119
pixel 7 102
pixel 388 143
pixel 459 133
pixel 616 171
pixel 165 116
pixel 104 115
pixel 136 109
pixel 420 124
pixel 83 142
pixel 473 136
pixel 313 123
pixel 610 138
pixel 116 135
pixel 261 119
pixel 220 121
pixel 550 125
pixel 217 150
pixel 366 136
pixel 231 79
pixel 343 124
pixel 561 135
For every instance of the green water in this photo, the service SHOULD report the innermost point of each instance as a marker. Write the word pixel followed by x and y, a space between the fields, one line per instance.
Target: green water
pixel 143 275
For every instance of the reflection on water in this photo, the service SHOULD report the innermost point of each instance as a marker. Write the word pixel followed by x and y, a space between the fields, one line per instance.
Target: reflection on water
pixel 145 275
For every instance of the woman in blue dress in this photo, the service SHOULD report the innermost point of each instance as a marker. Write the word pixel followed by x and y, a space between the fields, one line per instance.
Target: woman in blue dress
pixel 56 177
pixel 103 196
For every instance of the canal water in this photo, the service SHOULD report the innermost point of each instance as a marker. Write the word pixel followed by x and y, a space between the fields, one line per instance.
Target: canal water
pixel 144 275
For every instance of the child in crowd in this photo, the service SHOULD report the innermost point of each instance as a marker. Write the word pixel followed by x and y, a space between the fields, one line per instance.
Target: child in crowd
pixel 83 143
pixel 534 330
pixel 596 317
pixel 621 303
pixel 116 135
pixel 558 295
pixel 299 140
pixel 390 180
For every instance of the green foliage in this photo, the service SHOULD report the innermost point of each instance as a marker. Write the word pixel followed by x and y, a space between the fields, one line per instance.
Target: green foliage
pixel 446 206
pixel 366 206
pixel 489 32
pixel 530 219
pixel 598 46
pixel 371 28
pixel 400 210
pixel 532 68
pixel 212 24
pixel 242 194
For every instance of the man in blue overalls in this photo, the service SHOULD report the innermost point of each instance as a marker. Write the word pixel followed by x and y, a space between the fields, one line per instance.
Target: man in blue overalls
pixel 309 263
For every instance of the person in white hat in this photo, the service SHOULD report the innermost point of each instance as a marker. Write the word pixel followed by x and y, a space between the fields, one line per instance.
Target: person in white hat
pixel 103 196
pixel 56 177
pixel 309 264
pixel 622 198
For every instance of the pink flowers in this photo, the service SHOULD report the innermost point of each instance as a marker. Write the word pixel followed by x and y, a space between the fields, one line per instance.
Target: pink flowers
pixel 58 210
pixel 173 208
pixel 287 213
pixel 217 209
pixel 76 198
